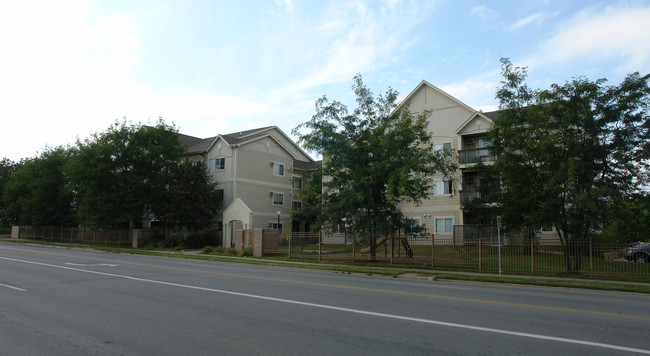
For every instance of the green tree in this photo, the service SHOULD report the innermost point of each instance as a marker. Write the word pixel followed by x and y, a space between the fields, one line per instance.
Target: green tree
pixel 628 220
pixel 192 198
pixel 311 198
pixel 37 192
pixel 373 159
pixel 7 167
pixel 567 154
pixel 123 174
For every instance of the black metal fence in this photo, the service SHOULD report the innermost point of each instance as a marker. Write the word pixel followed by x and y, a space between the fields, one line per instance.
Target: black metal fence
pixel 481 251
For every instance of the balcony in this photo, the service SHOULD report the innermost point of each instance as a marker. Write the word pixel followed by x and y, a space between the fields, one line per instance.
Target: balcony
pixel 475 155
pixel 469 194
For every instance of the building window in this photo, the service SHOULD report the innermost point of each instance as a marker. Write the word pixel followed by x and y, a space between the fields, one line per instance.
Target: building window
pixel 444 226
pixel 278 169
pixel 443 187
pixel 297 183
pixel 220 194
pixel 444 147
pixel 296 205
pixel 548 228
pixel 274 225
pixel 220 164
pixel 278 199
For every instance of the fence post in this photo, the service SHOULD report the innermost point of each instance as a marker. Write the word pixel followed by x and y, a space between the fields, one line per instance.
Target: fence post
pixel 532 256
pixel 432 249
pixel 480 268
pixel 591 259
pixel 392 247
pixel 319 245
pixel 290 236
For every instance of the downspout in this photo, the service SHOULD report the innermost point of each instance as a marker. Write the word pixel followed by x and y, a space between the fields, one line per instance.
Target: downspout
pixel 234 170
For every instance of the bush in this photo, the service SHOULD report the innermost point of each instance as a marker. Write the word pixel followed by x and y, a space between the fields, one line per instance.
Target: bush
pixel 207 250
pixel 247 252
pixel 201 239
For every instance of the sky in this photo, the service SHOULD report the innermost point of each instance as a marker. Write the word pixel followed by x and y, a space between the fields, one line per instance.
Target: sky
pixel 71 68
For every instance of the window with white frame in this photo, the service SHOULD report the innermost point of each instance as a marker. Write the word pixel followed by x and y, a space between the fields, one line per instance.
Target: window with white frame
pixel 547 228
pixel 274 225
pixel 220 164
pixel 297 183
pixel 444 147
pixel 296 205
pixel 443 187
pixel 444 225
pixel 278 169
pixel 278 199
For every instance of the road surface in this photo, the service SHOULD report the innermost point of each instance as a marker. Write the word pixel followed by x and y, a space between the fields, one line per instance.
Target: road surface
pixel 56 301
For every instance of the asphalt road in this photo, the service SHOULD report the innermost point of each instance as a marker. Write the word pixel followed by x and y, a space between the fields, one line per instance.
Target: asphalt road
pixel 59 301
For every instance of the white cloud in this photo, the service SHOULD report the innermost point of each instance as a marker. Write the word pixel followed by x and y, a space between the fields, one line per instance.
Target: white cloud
pixel 350 39
pixel 482 12
pixel 616 33
pixel 287 5
pixel 526 21
pixel 478 93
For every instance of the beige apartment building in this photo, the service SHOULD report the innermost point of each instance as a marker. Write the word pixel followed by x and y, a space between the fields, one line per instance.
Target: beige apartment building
pixel 260 173
pixel 461 130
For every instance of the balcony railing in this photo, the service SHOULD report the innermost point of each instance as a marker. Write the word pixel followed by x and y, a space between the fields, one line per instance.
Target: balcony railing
pixel 475 155
pixel 469 194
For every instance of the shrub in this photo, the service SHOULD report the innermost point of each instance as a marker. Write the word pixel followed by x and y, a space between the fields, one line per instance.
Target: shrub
pixel 208 250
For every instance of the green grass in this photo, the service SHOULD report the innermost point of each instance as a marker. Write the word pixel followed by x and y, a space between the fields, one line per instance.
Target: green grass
pixel 364 266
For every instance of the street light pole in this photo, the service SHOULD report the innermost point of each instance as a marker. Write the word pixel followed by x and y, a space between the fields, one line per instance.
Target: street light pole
pixel 278 220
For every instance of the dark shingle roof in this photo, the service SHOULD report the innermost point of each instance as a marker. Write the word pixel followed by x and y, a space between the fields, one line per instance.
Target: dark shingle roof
pixel 305 166
pixel 193 144
pixel 492 115
pixel 237 137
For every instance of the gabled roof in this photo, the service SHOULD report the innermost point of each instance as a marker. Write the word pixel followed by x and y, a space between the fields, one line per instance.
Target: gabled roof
pixel 435 88
pixel 471 118
pixel 246 136
pixel 194 145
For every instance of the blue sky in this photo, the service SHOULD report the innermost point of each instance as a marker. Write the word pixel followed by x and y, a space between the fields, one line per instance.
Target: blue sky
pixel 70 68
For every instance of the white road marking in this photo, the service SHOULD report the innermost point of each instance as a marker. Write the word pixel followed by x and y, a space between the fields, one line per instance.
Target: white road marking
pixel 12 287
pixel 91 264
pixel 354 311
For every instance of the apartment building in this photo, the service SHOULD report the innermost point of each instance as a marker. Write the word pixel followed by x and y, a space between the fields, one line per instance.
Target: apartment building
pixel 260 174
pixel 460 130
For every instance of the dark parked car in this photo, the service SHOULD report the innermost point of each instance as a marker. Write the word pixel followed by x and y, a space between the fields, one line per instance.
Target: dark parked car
pixel 638 252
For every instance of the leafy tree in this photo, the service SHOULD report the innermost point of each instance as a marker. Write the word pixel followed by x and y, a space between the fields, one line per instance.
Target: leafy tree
pixel 567 154
pixel 628 220
pixel 311 198
pixel 373 159
pixel 192 198
pixel 123 173
pixel 7 167
pixel 37 192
